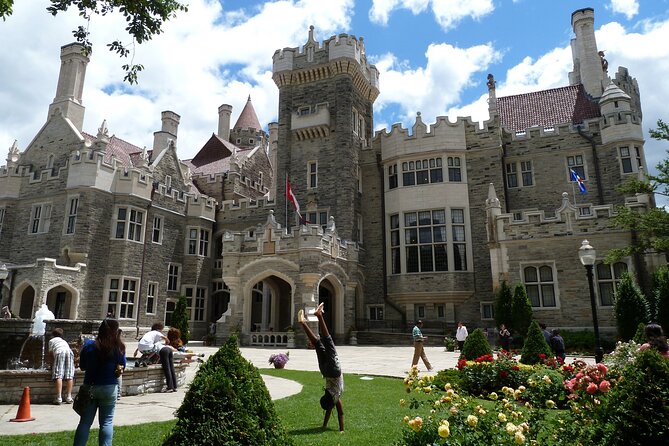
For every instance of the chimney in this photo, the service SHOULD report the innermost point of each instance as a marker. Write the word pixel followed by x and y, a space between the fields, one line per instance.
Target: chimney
pixel 167 132
pixel 71 84
pixel 588 69
pixel 224 112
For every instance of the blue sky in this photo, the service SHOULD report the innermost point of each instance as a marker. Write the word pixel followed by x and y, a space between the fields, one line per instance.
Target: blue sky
pixel 433 57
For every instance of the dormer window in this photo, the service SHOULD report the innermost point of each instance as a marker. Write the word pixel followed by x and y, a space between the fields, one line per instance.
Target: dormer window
pixel 239 141
pixel 251 141
pixel 302 111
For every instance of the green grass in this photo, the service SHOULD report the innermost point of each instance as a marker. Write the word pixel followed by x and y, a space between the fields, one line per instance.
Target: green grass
pixel 371 408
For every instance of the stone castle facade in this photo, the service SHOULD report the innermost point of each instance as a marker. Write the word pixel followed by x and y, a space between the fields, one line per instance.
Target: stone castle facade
pixel 394 226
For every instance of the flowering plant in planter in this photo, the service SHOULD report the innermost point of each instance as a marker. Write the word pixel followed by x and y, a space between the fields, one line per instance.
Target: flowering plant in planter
pixel 279 360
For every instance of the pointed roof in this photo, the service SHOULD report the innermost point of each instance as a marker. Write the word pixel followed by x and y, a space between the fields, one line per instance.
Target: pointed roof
pixel 546 108
pixel 248 118
pixel 126 154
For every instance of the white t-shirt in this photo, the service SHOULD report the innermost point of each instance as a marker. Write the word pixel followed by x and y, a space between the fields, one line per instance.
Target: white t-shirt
pixel 153 340
pixel 461 334
pixel 58 345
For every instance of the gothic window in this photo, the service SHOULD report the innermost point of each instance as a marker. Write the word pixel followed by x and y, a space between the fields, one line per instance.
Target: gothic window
pixel 392 176
pixel 422 172
pixel 630 159
pixel 312 174
pixel 375 312
pixel 195 302
pixel 425 241
pixel 511 175
pixel 198 242
pixel 129 223
pixel 151 291
pixel 71 219
pixel 157 233
pixel 173 277
pixel 526 173
pixel 540 285
pixel 487 311
pixel 575 163
pixel 608 279
pixel 395 261
pixel 454 172
pixel 459 240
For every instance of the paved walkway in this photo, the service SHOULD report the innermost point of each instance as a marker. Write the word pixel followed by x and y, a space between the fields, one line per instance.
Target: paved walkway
pixel 363 360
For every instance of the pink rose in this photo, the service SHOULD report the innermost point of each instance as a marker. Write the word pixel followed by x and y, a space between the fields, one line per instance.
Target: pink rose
pixel 592 388
pixel 579 375
pixel 604 386
pixel 602 369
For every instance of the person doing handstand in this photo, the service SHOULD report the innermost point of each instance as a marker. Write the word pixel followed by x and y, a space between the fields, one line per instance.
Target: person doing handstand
pixel 328 363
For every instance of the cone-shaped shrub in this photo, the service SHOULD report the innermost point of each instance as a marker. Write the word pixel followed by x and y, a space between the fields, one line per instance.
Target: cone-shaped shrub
pixel 180 318
pixel 640 335
pixel 227 404
pixel 476 345
pixel 522 311
pixel 661 295
pixel 535 346
pixel 503 312
pixel 631 308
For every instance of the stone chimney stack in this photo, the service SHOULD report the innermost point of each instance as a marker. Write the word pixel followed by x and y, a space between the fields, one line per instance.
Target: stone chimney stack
pixel 224 113
pixel 588 65
pixel 167 132
pixel 71 84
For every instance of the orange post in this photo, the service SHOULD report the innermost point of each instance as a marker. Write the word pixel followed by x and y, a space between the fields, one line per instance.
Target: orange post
pixel 23 414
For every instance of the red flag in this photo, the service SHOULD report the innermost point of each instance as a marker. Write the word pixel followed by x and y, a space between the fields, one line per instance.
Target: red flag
pixel 293 199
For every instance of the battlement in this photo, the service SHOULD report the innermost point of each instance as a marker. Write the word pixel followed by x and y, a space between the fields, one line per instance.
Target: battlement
pixel 241 205
pixel 201 206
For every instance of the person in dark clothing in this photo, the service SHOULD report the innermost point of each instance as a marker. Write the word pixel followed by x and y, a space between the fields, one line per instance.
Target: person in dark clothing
pixel 504 337
pixel 557 344
pixel 328 364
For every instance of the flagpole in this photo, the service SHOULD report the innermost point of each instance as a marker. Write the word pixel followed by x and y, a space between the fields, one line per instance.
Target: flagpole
pixel 573 192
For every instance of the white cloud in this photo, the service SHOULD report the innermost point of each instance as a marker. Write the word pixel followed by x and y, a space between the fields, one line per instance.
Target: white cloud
pixel 629 8
pixel 447 13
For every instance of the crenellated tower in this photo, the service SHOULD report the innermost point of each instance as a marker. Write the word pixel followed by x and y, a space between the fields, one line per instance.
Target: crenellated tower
pixel 326 94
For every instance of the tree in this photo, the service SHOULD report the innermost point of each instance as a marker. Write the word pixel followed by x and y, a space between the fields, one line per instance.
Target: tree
pixel 144 19
pixel 180 318
pixel 521 311
pixel 503 305
pixel 535 345
pixel 661 297
pixel 651 227
pixel 631 308
pixel 476 345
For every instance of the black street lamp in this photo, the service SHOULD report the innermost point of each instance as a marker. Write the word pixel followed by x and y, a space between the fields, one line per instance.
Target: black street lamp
pixel 4 272
pixel 588 255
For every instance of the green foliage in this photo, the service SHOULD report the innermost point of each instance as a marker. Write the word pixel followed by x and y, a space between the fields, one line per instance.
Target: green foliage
pixel 631 308
pixel 227 403
pixel 624 354
pixel 450 344
pixel 661 297
pixel 180 318
pixel 503 310
pixel 535 346
pixel 640 334
pixel 487 374
pixel 476 345
pixel 546 384
pixel 144 19
pixel 452 376
pixel 637 408
pixel 521 311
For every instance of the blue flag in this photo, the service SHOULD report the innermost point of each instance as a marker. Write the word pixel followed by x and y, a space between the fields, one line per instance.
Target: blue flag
pixel 579 180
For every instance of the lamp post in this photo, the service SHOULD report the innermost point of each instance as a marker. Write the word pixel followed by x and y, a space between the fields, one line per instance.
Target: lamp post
pixel 588 255
pixel 4 272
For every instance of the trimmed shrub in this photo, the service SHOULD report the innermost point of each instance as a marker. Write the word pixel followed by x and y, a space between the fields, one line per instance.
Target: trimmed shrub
pixel 447 376
pixel 535 346
pixel 631 308
pixel 503 312
pixel 476 345
pixel 636 410
pixel 227 404
pixel 640 335
pixel 584 341
pixel 546 384
pixel 180 318
pixel 522 311
pixel 661 297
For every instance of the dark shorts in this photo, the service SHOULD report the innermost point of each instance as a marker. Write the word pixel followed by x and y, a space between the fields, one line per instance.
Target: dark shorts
pixel 328 361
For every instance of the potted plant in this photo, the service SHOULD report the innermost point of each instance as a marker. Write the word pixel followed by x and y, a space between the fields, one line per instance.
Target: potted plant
pixel 279 360
pixel 450 344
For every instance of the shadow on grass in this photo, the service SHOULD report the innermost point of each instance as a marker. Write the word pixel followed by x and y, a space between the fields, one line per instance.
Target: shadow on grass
pixel 307 431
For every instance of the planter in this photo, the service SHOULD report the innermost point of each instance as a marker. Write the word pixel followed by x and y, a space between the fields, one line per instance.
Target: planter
pixel 279 366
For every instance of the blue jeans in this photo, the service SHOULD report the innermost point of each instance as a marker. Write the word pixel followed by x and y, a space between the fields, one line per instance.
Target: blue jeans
pixel 103 398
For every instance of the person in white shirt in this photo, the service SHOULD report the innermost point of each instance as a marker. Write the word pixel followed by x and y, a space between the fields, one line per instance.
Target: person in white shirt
pixel 460 335
pixel 154 340
pixel 63 365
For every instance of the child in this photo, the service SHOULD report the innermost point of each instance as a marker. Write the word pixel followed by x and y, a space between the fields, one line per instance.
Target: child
pixel 328 363
pixel 63 365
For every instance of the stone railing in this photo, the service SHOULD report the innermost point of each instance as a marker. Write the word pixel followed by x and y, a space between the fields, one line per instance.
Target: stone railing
pixel 272 339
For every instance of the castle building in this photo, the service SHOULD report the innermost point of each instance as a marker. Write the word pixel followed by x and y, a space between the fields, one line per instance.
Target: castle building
pixel 421 223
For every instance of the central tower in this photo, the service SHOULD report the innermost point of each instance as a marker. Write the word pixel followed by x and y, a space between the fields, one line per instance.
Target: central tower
pixel 326 96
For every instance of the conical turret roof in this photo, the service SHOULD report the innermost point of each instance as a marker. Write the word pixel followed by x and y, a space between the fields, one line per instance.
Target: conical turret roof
pixel 248 118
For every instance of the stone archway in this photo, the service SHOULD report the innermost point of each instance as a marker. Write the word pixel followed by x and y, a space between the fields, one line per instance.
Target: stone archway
pixel 269 305
pixel 26 302
pixel 61 300
pixel 326 296
pixel 220 301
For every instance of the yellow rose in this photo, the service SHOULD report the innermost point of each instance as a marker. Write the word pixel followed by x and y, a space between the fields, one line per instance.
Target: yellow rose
pixel 444 431
pixel 501 417
pixel 421 383
pixel 493 396
pixel 511 428
pixel 445 422
pixel 547 379
pixel 472 420
pixel 454 410
pixel 550 404
pixel 516 394
pixel 427 389
pixel 447 386
pixel 524 426
pixel 522 388
pixel 406 418
pixel 519 438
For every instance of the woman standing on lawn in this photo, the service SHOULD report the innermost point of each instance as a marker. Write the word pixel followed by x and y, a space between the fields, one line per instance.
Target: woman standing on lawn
pixel 99 359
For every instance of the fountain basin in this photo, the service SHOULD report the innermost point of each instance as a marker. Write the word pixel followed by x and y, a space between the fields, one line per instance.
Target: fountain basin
pixel 136 381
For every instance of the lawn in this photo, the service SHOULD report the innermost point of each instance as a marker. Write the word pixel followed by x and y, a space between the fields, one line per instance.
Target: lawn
pixel 371 407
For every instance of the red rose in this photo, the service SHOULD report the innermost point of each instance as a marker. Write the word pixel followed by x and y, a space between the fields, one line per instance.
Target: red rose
pixel 592 388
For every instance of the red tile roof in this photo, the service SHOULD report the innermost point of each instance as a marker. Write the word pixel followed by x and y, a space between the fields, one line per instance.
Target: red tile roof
pixel 123 151
pixel 248 118
pixel 546 108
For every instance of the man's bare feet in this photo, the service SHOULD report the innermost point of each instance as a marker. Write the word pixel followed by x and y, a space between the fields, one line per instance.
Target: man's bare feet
pixel 300 316
pixel 320 309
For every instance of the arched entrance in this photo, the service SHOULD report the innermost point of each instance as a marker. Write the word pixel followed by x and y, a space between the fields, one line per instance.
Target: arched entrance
pixel 59 300
pixel 27 303
pixel 219 301
pixel 269 305
pixel 326 295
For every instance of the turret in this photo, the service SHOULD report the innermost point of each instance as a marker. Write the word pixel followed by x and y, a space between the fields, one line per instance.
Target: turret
pixel 590 67
pixel 224 112
pixel 71 84
pixel 168 131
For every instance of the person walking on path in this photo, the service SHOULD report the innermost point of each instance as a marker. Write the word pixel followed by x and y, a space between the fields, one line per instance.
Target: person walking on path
pixel 557 344
pixel 418 350
pixel 547 333
pixel 328 364
pixel 460 335
pixel 504 337
pixel 99 359
pixel 63 366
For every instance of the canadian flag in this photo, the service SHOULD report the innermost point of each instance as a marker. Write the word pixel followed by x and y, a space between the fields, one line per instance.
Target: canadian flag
pixel 293 199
